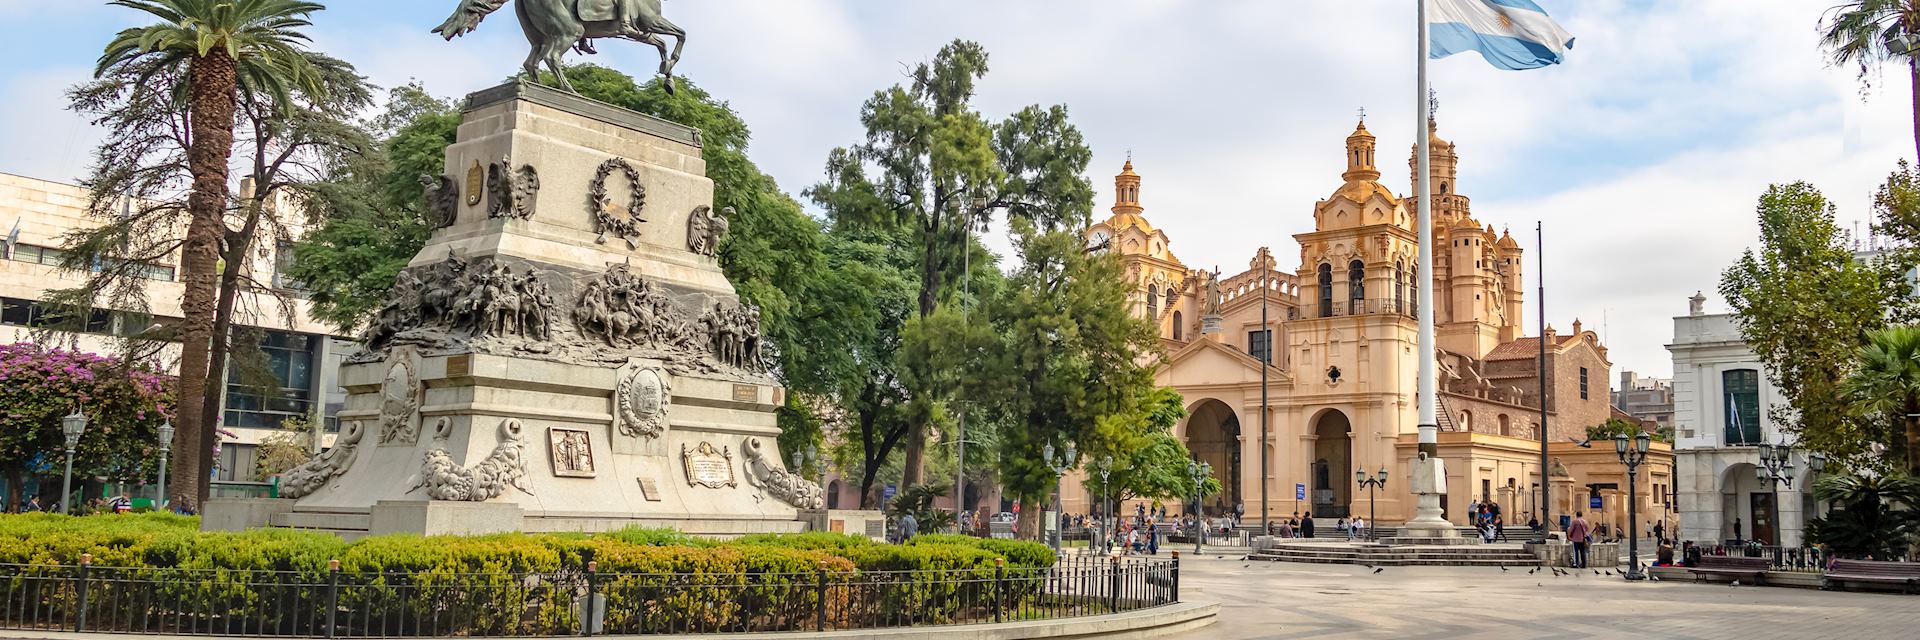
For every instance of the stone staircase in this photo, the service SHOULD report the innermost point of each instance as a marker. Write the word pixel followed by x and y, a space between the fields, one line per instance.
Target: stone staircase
pixel 1380 555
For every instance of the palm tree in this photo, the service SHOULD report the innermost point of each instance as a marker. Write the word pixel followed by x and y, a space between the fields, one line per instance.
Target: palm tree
pixel 1886 381
pixel 1869 32
pixel 225 47
pixel 1874 516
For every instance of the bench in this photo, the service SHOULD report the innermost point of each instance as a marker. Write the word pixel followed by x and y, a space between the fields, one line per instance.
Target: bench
pixel 1905 574
pixel 1734 566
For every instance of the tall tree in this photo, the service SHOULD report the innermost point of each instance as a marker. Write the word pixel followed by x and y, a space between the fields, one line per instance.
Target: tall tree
pixel 1885 383
pixel 216 49
pixel 1065 356
pixel 1867 33
pixel 937 168
pixel 1805 305
pixel 1148 461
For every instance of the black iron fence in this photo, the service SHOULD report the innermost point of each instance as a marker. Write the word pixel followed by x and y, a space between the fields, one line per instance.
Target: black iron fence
pixel 1797 559
pixel 337 604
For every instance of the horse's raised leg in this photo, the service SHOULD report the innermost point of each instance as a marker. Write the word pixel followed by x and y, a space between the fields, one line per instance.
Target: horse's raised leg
pixel 554 56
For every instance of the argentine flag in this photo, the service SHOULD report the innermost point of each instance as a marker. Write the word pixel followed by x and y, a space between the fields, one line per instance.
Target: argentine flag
pixel 1510 34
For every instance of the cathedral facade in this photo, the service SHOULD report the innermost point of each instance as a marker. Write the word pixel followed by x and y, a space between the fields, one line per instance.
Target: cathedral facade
pixel 1335 336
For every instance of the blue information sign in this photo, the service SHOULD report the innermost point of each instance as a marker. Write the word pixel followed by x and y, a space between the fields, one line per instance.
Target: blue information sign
pixel 1593 502
pixel 1299 491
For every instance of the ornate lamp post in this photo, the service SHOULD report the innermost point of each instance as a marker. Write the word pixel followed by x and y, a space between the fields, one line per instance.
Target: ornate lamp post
pixel 1059 468
pixel 1632 456
pixel 1371 484
pixel 1775 469
pixel 166 445
pixel 1104 467
pixel 1200 471
pixel 72 427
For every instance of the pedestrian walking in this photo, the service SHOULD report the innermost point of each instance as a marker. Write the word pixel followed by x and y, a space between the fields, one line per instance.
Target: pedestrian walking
pixel 1577 534
pixel 909 527
pixel 1306 526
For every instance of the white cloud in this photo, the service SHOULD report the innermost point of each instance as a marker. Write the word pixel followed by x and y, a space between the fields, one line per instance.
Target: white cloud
pixel 1644 154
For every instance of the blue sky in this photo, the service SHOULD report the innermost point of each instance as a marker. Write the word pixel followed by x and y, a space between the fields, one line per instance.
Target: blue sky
pixel 1643 155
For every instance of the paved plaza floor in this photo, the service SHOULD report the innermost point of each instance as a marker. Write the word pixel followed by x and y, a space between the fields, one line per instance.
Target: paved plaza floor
pixel 1286 600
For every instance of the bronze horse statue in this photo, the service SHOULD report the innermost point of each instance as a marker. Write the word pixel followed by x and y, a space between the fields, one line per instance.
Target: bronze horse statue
pixel 553 26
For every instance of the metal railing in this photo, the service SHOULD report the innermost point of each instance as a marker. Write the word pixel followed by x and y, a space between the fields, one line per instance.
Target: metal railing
pixel 1371 306
pixel 1792 559
pixel 337 604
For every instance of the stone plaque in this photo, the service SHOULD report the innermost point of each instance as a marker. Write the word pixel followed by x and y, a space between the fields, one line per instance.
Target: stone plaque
pixel 650 488
pixel 746 393
pixel 643 398
pixel 876 528
pixel 708 467
pixel 460 365
pixel 837 526
pixel 571 451
pixel 476 180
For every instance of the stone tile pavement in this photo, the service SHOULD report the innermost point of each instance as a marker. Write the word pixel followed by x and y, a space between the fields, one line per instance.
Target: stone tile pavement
pixel 1287 600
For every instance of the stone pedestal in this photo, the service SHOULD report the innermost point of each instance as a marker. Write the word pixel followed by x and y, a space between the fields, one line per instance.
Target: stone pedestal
pixel 565 353
pixel 1428 479
pixel 240 514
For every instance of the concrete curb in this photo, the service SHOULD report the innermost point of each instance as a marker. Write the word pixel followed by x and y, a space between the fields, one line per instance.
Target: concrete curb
pixel 1158 622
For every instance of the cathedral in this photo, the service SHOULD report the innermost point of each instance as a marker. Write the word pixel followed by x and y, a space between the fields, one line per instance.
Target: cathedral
pixel 1335 338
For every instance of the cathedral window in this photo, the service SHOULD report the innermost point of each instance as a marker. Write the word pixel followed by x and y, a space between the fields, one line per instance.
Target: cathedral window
pixel 1176 325
pixel 1153 302
pixel 1326 290
pixel 1356 286
pixel 1260 345
pixel 1399 287
pixel 1506 427
pixel 1583 383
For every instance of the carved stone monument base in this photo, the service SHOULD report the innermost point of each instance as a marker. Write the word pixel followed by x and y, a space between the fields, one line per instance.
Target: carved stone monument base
pixel 565 354
pixel 1428 481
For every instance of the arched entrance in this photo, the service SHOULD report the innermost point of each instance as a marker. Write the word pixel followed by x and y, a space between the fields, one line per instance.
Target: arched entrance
pixel 1213 436
pixel 1747 509
pixel 1332 464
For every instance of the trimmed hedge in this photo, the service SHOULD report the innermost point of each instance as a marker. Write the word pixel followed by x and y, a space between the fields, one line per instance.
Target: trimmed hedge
pixel 518 584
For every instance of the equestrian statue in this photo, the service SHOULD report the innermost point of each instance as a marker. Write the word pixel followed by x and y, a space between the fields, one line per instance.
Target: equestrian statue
pixel 553 26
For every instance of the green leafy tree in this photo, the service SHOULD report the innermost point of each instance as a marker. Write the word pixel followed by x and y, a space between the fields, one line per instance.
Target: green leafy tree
pixel 1885 383
pixel 1874 516
pixel 214 51
pixel 936 168
pixel 1804 304
pixel 1867 33
pixel 1064 355
pixel 1616 426
pixel 291 446
pixel 1148 461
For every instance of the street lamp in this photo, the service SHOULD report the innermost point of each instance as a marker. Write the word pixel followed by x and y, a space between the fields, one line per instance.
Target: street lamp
pixel 1059 468
pixel 1775 469
pixel 166 445
pixel 1632 456
pixel 1104 467
pixel 72 427
pixel 1200 471
pixel 1371 484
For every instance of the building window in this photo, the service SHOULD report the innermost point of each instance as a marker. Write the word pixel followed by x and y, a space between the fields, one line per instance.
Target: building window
pixel 282 263
pixel 1153 302
pixel 264 404
pixel 1506 427
pixel 1176 325
pixel 1356 286
pixel 51 257
pixel 1740 389
pixel 1260 345
pixel 1466 421
pixel 1326 290
pixel 1583 383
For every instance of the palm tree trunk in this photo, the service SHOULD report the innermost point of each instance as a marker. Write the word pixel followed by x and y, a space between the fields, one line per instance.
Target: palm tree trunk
pixel 220 349
pixel 1913 73
pixel 212 100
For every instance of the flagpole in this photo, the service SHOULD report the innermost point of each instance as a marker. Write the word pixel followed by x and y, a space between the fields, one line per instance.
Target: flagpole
pixel 1428 477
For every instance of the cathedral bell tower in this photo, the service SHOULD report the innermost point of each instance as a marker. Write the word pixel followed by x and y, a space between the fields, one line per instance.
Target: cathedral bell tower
pixel 1360 167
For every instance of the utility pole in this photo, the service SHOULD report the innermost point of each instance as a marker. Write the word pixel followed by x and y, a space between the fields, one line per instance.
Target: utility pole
pixel 1266 362
pixel 1540 277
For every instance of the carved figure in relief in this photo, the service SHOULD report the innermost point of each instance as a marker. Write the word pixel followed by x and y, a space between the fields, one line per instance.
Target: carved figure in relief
pixel 443 200
pixel 503 468
pixel 399 398
pixel 313 474
pixel 782 484
pixel 705 229
pixel 512 191
pixel 735 332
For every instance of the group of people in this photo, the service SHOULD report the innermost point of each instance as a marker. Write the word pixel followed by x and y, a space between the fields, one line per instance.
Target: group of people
pixel 1487 519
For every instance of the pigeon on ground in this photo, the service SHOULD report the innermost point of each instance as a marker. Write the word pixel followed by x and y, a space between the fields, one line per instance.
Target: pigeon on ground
pixel 1379 569
pixel 1596 572
pixel 1530 571
pixel 1539 584
pixel 1609 572
pixel 1245 566
pixel 1503 569
pixel 1735 583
